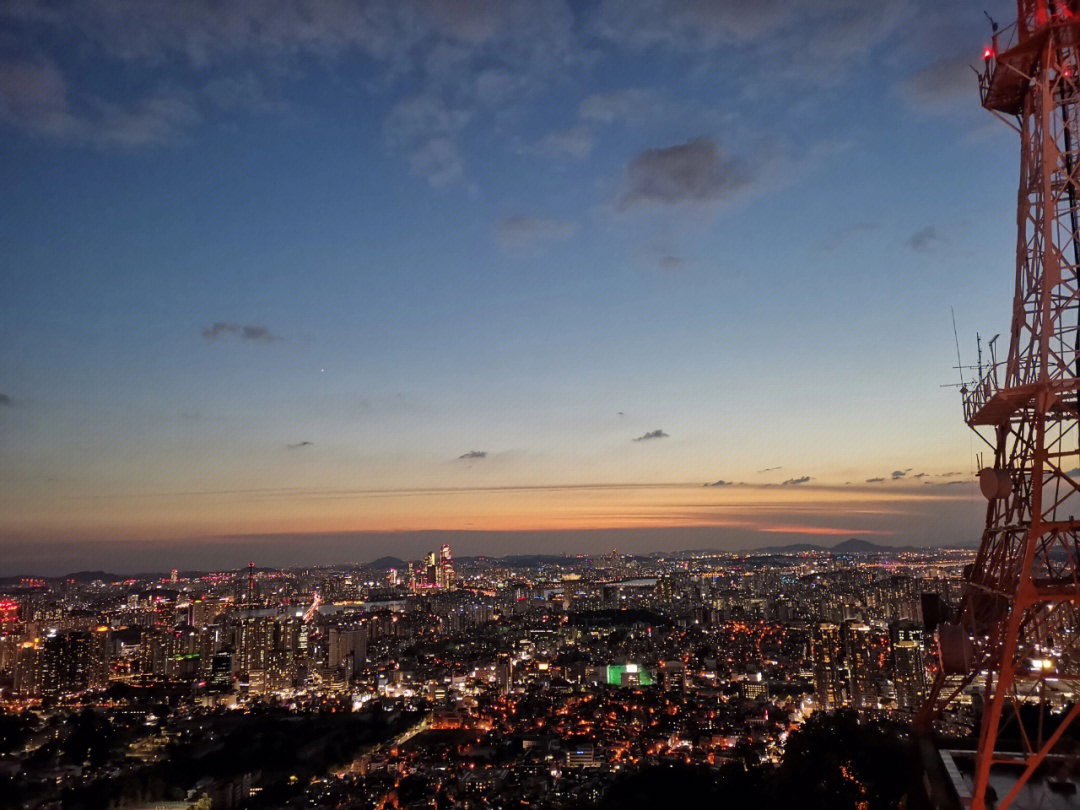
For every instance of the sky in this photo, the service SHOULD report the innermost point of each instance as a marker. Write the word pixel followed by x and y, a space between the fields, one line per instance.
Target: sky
pixel 311 281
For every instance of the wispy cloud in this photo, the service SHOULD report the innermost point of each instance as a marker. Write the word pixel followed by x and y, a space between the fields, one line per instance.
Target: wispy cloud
pixel 695 172
pixel 770 469
pixel 241 91
pixel 522 230
pixel 472 455
pixel 796 481
pixel 947 85
pixel 802 41
pixel 6 401
pixel 721 483
pixel 673 264
pixel 652 434
pixel 575 141
pixel 875 480
pixel 35 99
pixel 631 105
pixel 845 236
pixel 426 128
pixel 298 445
pixel 222 329
pixel 690 26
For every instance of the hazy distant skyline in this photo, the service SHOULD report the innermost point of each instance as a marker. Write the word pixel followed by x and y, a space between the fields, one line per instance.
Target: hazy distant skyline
pixel 330 267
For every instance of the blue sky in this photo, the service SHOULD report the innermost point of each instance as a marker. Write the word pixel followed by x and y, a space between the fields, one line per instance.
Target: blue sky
pixel 309 248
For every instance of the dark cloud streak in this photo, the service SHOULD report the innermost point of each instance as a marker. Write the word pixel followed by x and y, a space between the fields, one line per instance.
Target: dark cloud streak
pixel 695 172
pixel 925 240
pixel 522 230
pixel 258 334
pixel 652 434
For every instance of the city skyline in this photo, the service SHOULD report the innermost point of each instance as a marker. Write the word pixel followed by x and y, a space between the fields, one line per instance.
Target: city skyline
pixel 367 271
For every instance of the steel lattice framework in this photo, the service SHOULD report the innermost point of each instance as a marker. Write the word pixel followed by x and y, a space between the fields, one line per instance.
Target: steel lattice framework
pixel 1017 641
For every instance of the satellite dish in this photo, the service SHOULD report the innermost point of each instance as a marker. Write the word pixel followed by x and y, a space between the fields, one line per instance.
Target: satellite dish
pixel 994 483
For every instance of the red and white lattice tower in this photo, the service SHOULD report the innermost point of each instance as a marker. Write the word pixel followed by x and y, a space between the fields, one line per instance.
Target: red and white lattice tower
pixel 1017 640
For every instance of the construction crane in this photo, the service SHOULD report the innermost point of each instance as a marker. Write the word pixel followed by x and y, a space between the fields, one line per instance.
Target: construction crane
pixel 1016 642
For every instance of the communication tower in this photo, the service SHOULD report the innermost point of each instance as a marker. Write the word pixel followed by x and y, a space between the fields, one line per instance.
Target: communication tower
pixel 1017 639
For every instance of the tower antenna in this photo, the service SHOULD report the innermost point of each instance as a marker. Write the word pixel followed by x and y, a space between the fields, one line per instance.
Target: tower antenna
pixel 978 354
pixel 956 340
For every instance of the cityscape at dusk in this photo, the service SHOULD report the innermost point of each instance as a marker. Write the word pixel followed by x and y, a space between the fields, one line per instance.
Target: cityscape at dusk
pixel 429 404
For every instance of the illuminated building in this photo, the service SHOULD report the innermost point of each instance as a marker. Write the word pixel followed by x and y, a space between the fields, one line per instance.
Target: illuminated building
pixel 154 651
pixel 28 669
pixel 754 688
pixel 446 566
pixel 254 640
pixel 99 655
pixel 909 675
pixel 582 756
pixel 346 648
pixel 828 672
pixel 9 611
pixel 280 670
pixel 221 671
pixel 861 663
pixel 69 662
pixel 202 612
pixel 627 675
pixel 504 674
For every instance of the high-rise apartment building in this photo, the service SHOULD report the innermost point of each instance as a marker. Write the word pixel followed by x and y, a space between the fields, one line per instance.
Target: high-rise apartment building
pixel 829 678
pixel 909 675
pixel 862 664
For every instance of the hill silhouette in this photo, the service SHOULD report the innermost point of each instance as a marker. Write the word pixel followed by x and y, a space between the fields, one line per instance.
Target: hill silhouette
pixel 386 563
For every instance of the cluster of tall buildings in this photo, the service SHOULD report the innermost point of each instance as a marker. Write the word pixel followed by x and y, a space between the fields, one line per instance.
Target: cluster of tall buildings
pixel 59 663
pixel 855 665
pixel 436 570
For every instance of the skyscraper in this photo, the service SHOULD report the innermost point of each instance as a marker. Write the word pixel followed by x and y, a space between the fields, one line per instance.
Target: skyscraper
pixel 909 675
pixel 70 662
pixel 28 669
pixel 863 669
pixel 221 671
pixel 446 568
pixel 432 569
pixel 828 673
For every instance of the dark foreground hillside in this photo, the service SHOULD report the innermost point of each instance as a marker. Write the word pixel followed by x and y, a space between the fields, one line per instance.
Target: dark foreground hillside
pixel 832 763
